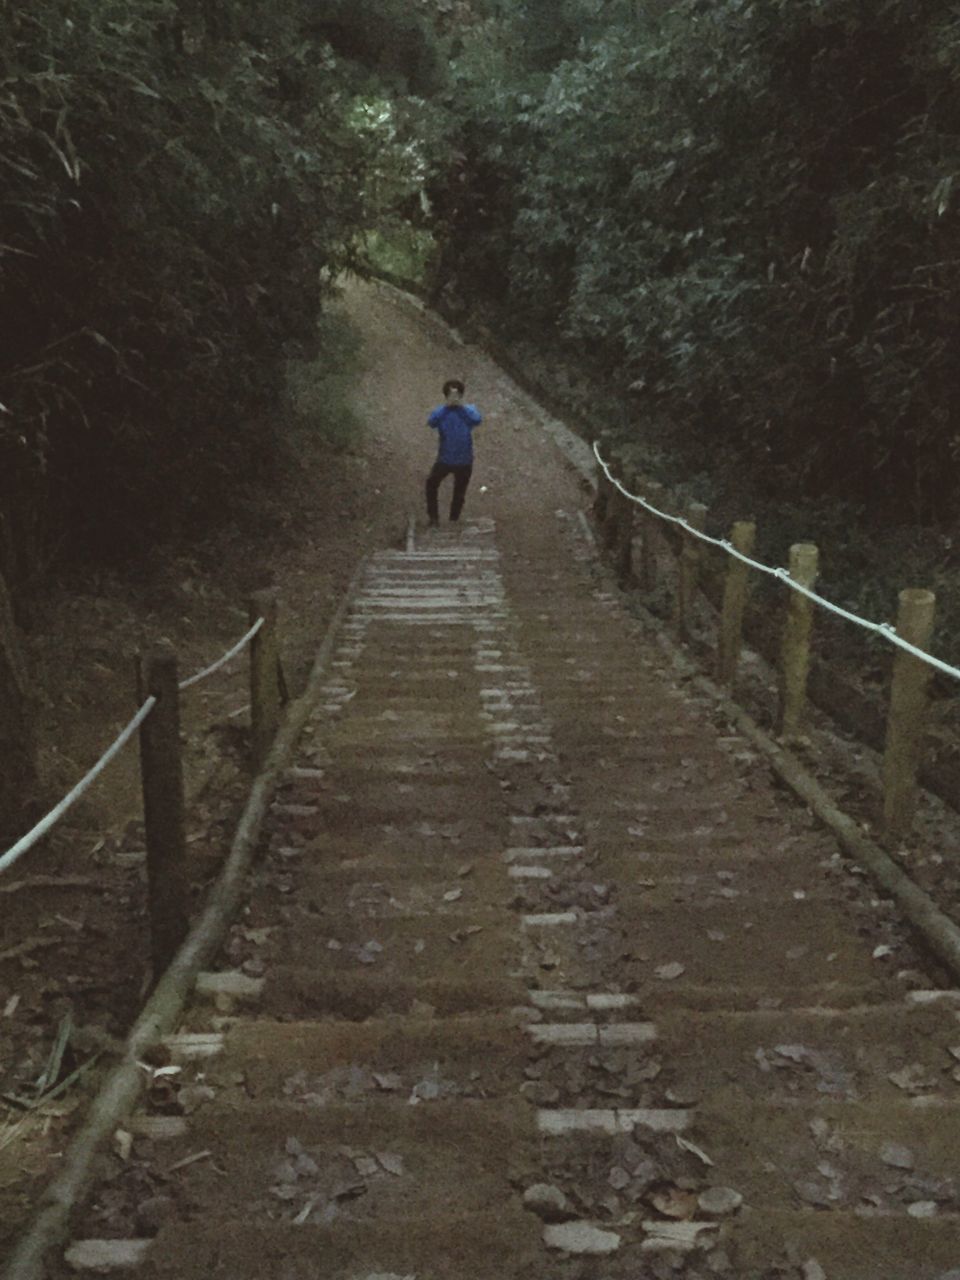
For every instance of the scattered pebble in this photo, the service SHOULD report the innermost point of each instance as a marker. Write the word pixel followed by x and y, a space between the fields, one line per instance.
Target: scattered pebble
pixel 580 1237
pixel 719 1201
pixel 922 1209
pixel 547 1202
pixel 812 1270
pixel 897 1156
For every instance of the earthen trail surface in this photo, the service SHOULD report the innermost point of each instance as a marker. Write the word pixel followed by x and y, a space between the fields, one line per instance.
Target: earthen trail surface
pixel 540 976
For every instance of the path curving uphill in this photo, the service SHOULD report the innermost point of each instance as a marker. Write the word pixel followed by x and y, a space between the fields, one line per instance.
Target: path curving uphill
pixel 541 976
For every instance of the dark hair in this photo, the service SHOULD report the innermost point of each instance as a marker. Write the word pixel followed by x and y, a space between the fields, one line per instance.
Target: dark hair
pixel 454 382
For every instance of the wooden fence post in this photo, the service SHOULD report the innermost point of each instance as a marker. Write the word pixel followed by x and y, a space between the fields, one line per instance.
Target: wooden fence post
pixel 652 490
pixel 742 536
pixel 610 529
pixel 601 502
pixel 623 544
pixel 264 682
pixel 161 769
pixel 907 713
pixel 795 645
pixel 689 568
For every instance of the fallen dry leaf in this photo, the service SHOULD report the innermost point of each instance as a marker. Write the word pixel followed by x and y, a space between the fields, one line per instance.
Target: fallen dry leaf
pixel 672 1202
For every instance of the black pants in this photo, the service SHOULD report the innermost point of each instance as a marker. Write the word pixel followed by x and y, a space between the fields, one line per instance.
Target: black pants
pixel 461 478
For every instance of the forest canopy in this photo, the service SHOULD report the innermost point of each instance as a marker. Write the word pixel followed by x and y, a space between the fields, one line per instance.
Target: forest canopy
pixel 740 214
pixel 745 211
pixel 181 181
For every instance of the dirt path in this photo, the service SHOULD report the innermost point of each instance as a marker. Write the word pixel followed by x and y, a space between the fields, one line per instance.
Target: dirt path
pixel 72 915
pixel 540 976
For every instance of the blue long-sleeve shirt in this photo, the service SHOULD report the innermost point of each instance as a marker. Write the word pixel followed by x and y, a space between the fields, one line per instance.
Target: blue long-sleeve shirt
pixel 455 424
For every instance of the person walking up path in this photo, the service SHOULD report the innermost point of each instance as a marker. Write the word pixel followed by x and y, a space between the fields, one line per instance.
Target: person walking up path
pixel 454 421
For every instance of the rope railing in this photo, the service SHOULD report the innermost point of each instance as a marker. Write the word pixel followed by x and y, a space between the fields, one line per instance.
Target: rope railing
pixel 41 828
pixel 25 843
pixel 884 629
pixel 214 667
pixel 904 735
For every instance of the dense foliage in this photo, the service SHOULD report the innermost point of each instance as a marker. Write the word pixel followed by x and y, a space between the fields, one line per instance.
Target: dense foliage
pixel 745 210
pixel 179 181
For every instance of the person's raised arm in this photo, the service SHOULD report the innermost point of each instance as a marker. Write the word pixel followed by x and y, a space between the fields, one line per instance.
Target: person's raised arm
pixel 473 414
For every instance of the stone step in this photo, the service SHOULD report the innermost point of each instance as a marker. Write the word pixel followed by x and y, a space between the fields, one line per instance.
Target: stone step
pixel 423 947
pixel 298 991
pixel 781 943
pixel 833 1156
pixel 802 1055
pixel 372 1066
pixel 500 1242
pixel 353 1166
pixel 858 1245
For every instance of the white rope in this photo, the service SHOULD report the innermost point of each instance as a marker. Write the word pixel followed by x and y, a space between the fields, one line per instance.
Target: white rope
pixel 227 657
pixel 25 843
pixel 43 826
pixel 884 629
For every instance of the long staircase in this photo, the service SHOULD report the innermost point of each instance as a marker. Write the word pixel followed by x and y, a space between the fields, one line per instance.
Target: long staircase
pixel 540 977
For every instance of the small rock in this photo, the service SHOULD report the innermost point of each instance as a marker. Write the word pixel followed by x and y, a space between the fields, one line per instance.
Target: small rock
pixel 580 1237
pixel 897 1156
pixel 719 1201
pixel 547 1202
pixel 106 1255
pixel 540 1093
pixel 813 1193
pixel 153 1212
pixel 912 1079
pixel 667 972
pixel 922 1209
pixel 682 1097
pixel 812 1270
pixel 618 1178
pixel 820 1129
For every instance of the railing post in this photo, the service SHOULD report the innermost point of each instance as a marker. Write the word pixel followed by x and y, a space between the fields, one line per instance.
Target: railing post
pixel 161 768
pixel 623 544
pixel 689 569
pixel 742 537
pixel 264 682
pixel 795 645
pixel 610 529
pixel 652 490
pixel 907 713
pixel 601 502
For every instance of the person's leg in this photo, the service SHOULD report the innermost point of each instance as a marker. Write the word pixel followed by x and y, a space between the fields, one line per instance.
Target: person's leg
pixel 461 478
pixel 433 485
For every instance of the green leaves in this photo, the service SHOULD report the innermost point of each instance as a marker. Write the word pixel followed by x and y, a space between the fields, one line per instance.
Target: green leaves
pixel 169 200
pixel 745 205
